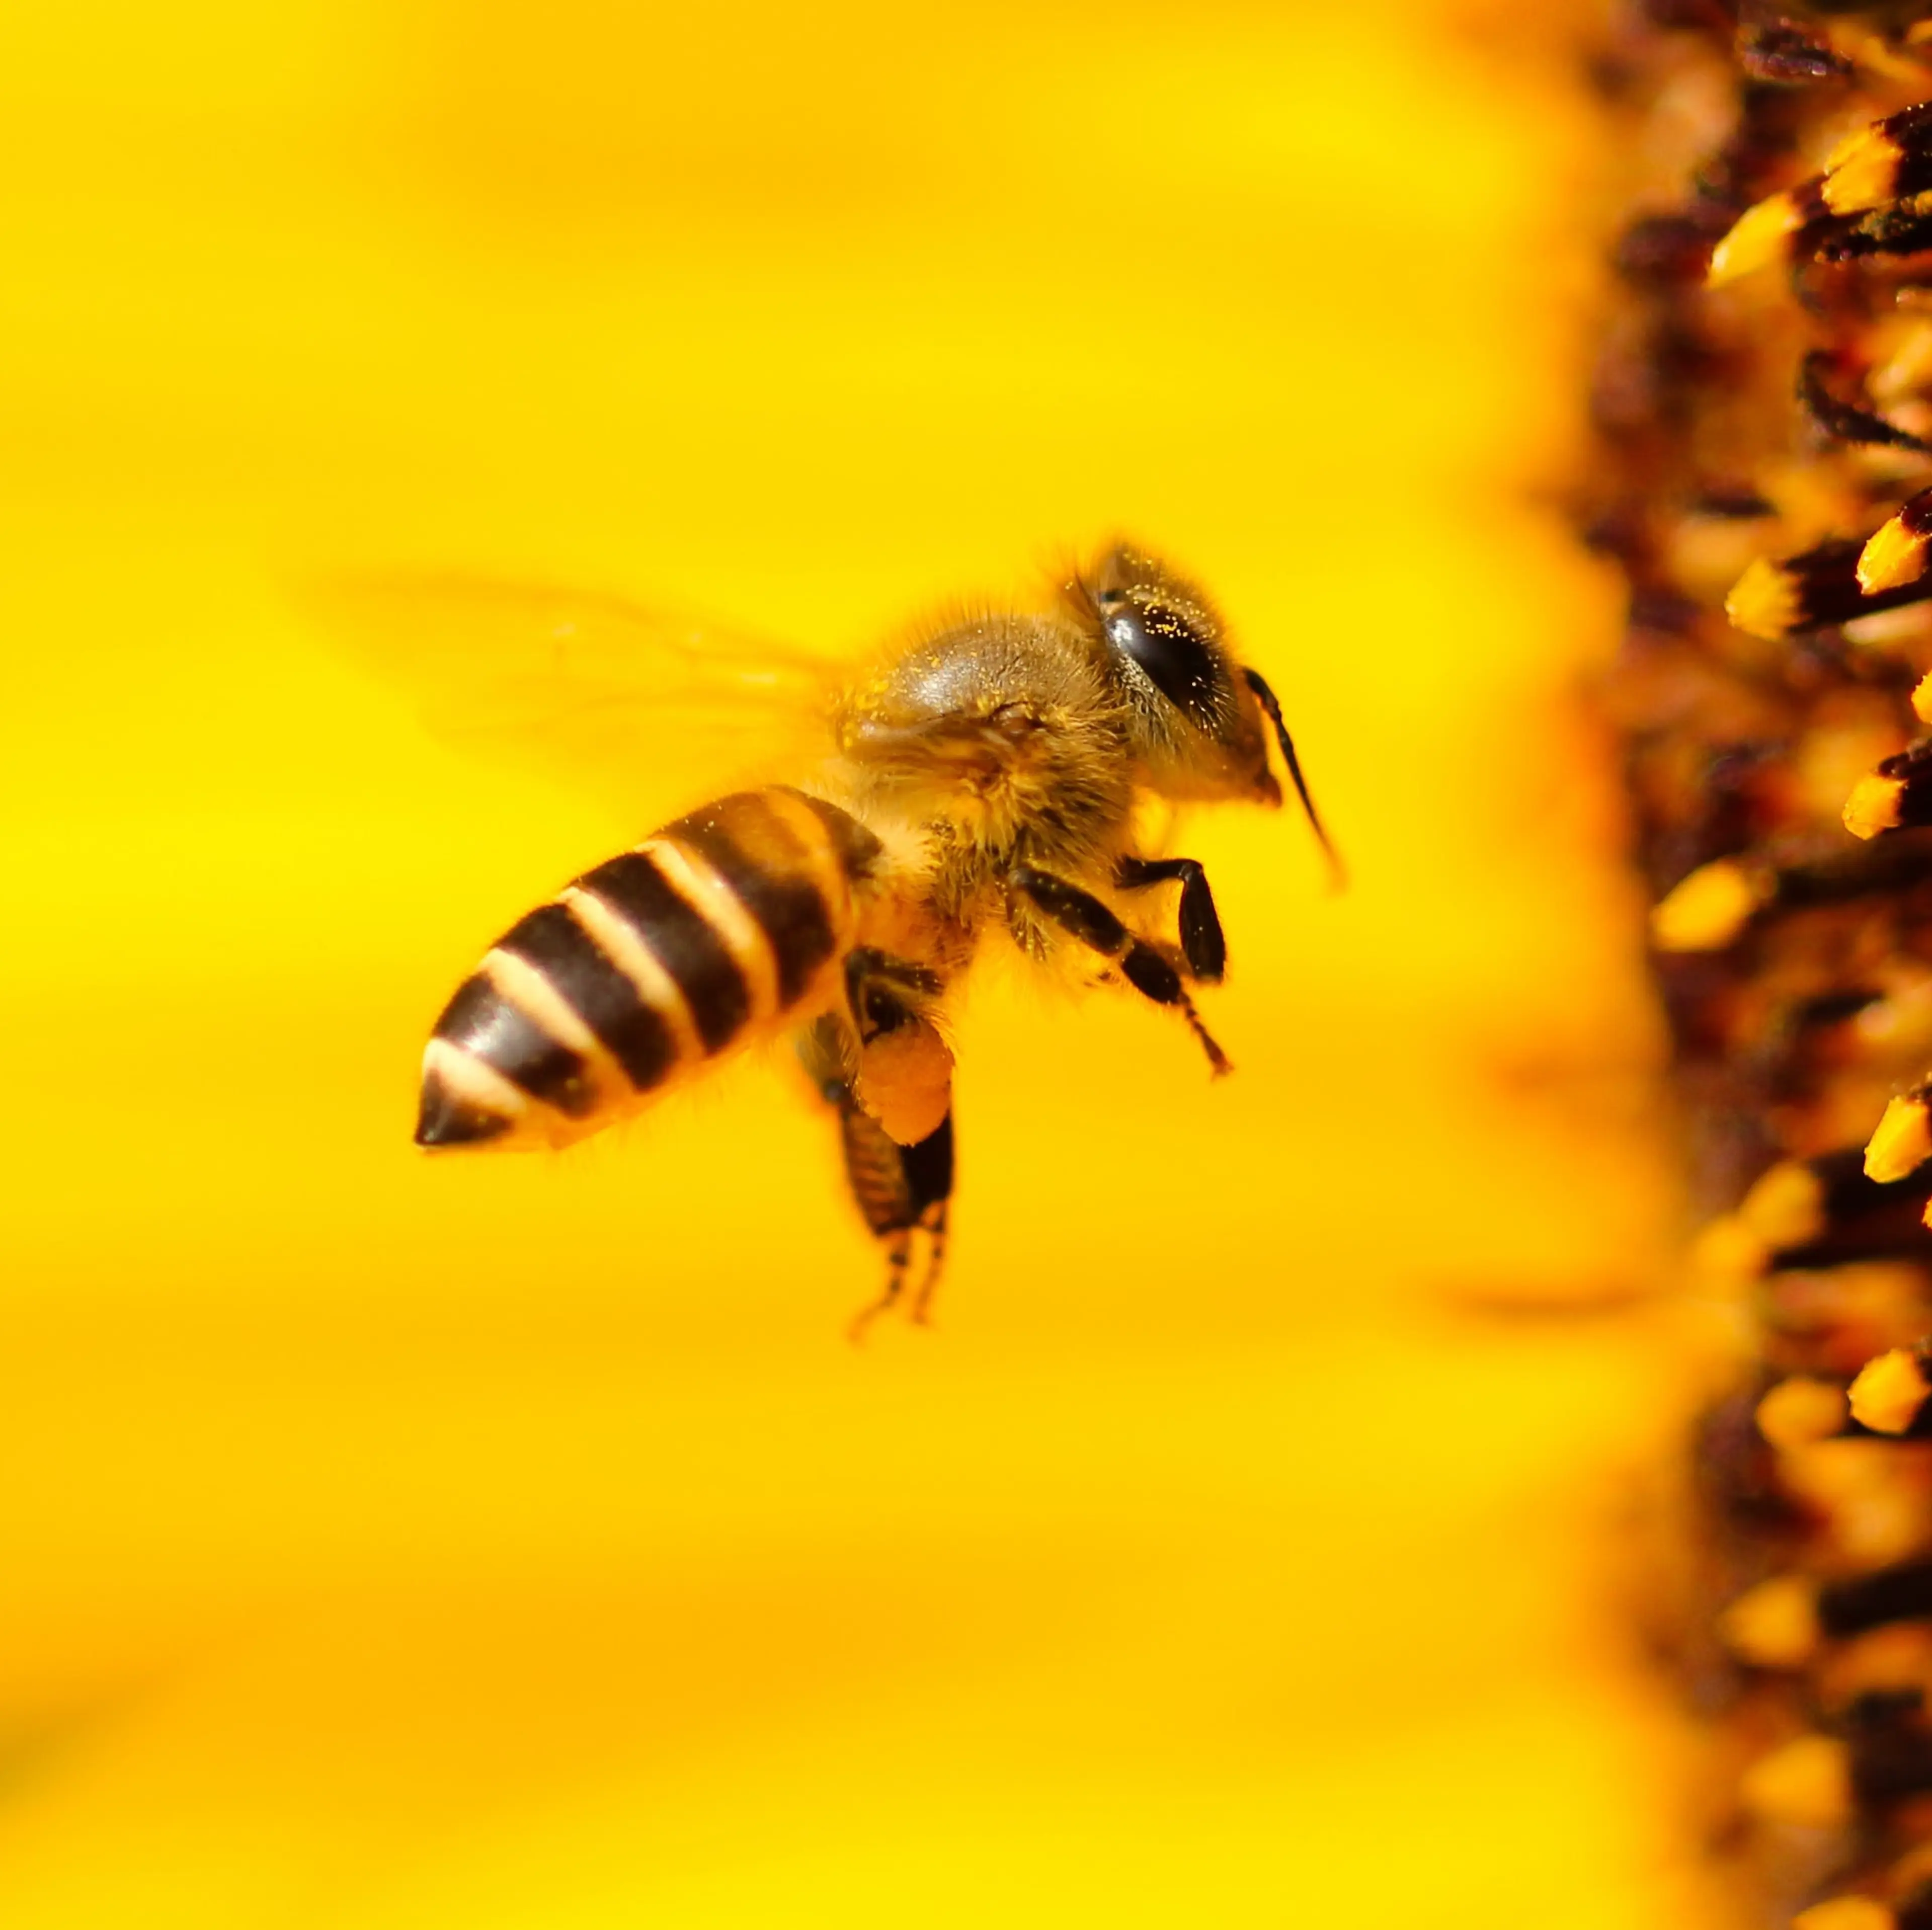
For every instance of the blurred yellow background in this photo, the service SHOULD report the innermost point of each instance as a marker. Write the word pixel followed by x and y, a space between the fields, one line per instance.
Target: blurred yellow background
pixel 501 1543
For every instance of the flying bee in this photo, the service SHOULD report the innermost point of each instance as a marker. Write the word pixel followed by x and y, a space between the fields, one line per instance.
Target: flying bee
pixel 981 778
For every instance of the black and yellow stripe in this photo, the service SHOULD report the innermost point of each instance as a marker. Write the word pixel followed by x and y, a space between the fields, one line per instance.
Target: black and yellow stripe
pixel 726 923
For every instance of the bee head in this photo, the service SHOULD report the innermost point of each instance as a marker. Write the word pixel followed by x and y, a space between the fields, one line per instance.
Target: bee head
pixel 1200 721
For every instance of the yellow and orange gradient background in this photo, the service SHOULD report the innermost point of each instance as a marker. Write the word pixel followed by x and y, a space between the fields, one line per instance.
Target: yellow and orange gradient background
pixel 500 1542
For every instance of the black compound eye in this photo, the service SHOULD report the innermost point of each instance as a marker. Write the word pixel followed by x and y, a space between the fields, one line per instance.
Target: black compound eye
pixel 1170 651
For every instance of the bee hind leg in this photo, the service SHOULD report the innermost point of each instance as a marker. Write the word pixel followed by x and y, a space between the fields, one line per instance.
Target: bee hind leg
pixel 883 993
pixel 899 1259
pixel 933 1223
pixel 1203 944
pixel 903 1072
pixel 901 1191
pixel 1151 973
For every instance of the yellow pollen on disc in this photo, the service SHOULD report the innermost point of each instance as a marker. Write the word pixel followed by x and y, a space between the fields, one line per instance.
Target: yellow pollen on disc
pixel 1786 1206
pixel 1726 1252
pixel 1873 806
pixel 1807 1782
pixel 1705 912
pixel 1843 149
pixel 1774 1626
pixel 1755 239
pixel 1888 1392
pixel 1914 1867
pixel 1763 601
pixel 1921 699
pixel 1799 1411
pixel 1865 173
pixel 1892 556
pixel 1901 1144
pixel 1846 1912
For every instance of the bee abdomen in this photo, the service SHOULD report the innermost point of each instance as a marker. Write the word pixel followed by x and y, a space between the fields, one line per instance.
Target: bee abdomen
pixel 722 926
pixel 637 1035
pixel 691 966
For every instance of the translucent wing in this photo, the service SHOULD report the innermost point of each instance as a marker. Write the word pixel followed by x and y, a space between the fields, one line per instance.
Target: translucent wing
pixel 648 710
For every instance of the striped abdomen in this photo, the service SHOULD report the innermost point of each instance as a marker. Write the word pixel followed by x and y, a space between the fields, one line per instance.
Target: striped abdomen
pixel 722 926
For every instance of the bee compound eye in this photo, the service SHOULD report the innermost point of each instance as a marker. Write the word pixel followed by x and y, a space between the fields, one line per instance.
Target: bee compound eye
pixel 1171 652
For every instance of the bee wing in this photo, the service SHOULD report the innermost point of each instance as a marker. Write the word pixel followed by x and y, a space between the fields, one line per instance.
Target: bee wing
pixel 647 709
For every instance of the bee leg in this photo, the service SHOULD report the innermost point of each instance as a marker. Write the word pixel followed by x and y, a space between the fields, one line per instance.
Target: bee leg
pixel 900 1191
pixel 1083 916
pixel 898 1258
pixel 1203 944
pixel 884 992
pixel 903 1076
pixel 934 1222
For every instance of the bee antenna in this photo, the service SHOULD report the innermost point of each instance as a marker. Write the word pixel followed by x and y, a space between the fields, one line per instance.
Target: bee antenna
pixel 1338 871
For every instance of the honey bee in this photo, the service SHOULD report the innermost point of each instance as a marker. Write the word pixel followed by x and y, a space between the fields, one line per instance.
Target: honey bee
pixel 981 778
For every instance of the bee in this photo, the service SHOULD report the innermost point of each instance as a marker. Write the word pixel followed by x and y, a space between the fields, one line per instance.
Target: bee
pixel 980 778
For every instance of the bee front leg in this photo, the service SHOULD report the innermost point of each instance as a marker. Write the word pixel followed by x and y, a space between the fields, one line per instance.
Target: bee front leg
pixel 1082 915
pixel 1203 944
